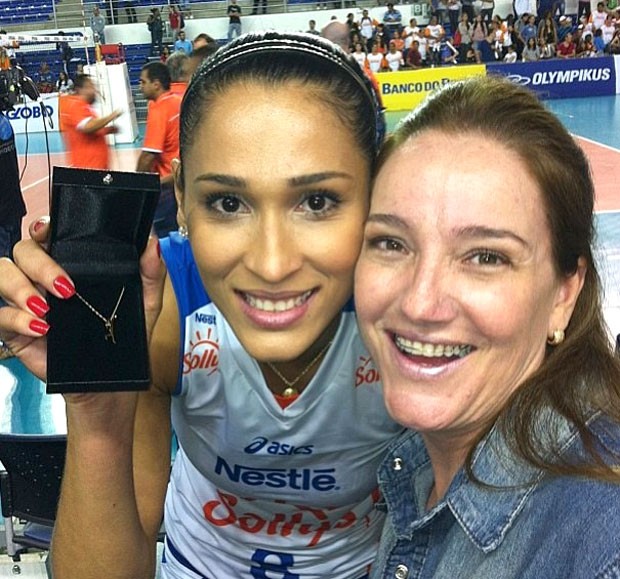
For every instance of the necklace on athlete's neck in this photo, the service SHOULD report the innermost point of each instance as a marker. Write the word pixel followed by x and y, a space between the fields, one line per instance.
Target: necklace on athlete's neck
pixel 290 389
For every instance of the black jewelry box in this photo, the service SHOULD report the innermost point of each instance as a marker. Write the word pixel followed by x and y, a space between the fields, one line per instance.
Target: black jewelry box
pixel 100 223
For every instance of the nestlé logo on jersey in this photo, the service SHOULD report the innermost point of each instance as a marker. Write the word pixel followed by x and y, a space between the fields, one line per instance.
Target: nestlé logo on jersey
pixel 203 354
pixel 366 372
pixel 298 479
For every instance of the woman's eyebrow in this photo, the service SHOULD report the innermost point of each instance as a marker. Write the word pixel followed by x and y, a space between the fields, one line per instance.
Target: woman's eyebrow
pixel 222 179
pixel 482 231
pixel 317 178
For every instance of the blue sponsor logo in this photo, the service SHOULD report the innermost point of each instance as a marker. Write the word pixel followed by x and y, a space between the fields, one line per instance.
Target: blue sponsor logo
pixel 298 479
pixel 205 319
pixel 276 448
pixel 29 113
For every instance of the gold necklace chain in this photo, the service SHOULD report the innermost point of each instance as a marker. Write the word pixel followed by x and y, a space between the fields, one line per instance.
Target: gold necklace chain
pixel 107 322
pixel 290 389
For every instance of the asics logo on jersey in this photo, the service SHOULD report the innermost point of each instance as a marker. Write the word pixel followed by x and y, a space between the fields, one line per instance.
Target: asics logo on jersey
pixel 366 373
pixel 299 479
pixel 203 354
pixel 276 448
pixel 227 509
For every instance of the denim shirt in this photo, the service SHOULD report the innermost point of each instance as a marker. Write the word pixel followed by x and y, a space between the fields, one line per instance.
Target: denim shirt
pixel 531 527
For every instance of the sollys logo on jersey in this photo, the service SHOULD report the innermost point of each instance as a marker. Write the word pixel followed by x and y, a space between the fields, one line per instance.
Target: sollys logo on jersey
pixel 228 509
pixel 203 354
pixel 366 372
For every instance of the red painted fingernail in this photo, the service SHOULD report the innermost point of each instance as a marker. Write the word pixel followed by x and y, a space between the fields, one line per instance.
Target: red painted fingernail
pixel 37 306
pixel 39 327
pixel 64 287
pixel 38 224
pixel 158 249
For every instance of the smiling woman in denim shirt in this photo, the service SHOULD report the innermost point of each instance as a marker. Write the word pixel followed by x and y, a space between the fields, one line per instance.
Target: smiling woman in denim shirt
pixel 478 297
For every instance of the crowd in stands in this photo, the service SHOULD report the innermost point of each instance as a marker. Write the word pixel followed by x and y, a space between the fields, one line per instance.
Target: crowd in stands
pixel 460 32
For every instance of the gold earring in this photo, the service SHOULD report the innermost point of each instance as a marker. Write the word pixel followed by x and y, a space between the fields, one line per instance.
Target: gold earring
pixel 557 339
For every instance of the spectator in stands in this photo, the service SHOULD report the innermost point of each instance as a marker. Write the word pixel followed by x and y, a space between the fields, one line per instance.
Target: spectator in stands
pixel 486 10
pixel 465 30
pixel 12 206
pixel 259 4
pixel 392 19
pixel 584 9
pixel 414 57
pixel 547 29
pixel 359 54
pixel 66 53
pixel 97 25
pixel 165 53
pixel 565 25
pixel 511 55
pixel 375 60
pixel 182 44
pixel 599 16
pixel 130 11
pixel 312 28
pixel 174 19
pixel 178 64
pixel 597 40
pixel 566 48
pixel 45 78
pixel 85 132
pixel 530 30
pixel 156 28
pixel 434 33
pixel 547 51
pixel 161 140
pixel 454 14
pixel 586 48
pixel 10 46
pixel 614 45
pixel 479 33
pixel 234 19
pixel 64 85
pixel 367 26
pixel 531 53
pixel 394 58
pixel 608 29
pixel 448 53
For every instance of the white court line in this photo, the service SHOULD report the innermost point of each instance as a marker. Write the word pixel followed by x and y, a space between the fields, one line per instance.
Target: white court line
pixel 34 184
pixel 593 142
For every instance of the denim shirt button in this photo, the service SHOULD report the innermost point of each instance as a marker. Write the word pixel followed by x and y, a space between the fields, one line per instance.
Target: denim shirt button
pixel 402 571
pixel 397 464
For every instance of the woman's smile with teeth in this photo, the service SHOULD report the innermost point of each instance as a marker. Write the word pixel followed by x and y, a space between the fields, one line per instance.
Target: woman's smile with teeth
pixel 428 350
pixel 271 305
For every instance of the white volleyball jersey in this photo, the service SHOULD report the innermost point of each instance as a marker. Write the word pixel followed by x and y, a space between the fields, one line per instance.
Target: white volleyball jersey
pixel 258 491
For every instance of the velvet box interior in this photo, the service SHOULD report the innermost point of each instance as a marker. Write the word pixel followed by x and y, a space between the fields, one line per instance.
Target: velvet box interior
pixel 100 223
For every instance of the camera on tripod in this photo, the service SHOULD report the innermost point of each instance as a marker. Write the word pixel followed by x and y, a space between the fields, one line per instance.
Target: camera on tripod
pixel 13 83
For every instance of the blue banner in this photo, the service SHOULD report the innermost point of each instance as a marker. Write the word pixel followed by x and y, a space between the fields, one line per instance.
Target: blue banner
pixel 554 79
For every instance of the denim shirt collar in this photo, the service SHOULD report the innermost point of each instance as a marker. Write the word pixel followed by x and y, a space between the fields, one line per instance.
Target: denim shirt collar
pixel 485 513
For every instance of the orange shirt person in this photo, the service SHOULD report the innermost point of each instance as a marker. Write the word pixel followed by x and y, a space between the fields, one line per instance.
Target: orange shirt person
pixel 161 139
pixel 84 132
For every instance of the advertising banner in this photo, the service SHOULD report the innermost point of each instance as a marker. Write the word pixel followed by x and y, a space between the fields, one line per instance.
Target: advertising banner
pixel 404 90
pixel 28 116
pixel 554 79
